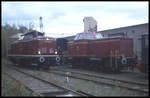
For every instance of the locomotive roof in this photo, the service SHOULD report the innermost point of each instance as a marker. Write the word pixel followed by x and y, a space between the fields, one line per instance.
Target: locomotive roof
pixel 88 35
pixel 32 32
pixel 37 38
pixel 96 36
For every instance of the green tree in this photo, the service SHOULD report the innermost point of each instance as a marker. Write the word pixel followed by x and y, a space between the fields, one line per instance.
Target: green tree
pixel 7 32
pixel 22 29
pixel 3 43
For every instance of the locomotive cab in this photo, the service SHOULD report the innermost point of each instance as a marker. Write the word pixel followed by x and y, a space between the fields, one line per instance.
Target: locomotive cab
pixel 31 35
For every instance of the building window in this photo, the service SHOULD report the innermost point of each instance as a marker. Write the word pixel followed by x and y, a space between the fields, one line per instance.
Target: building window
pixel 146 41
pixel 132 31
pixel 116 34
pixel 28 37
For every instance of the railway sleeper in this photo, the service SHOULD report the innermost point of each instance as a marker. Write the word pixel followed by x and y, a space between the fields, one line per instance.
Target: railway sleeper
pixel 57 93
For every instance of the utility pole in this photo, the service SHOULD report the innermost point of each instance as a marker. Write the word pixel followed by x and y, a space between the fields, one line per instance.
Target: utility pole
pixel 31 26
pixel 41 24
pixel 6 46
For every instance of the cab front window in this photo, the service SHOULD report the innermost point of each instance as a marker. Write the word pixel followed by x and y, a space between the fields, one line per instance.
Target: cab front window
pixel 89 36
pixel 28 37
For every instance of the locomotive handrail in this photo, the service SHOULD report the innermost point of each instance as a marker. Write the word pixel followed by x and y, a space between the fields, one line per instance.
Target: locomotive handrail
pixel 35 55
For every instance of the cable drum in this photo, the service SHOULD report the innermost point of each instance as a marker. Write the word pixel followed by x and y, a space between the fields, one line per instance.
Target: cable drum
pixel 42 59
pixel 57 58
pixel 124 60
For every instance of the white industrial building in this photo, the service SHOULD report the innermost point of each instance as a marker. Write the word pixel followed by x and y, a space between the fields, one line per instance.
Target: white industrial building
pixel 90 24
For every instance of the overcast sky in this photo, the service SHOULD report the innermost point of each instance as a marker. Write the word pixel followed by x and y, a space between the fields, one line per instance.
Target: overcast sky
pixel 66 18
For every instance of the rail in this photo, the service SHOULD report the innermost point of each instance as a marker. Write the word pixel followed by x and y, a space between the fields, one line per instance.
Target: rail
pixel 78 93
pixel 105 83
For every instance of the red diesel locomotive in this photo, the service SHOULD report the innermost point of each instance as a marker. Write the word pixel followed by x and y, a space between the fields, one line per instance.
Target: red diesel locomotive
pixel 87 50
pixel 91 49
pixel 34 49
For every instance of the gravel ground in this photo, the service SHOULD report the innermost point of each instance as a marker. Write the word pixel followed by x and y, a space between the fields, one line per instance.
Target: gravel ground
pixel 32 83
pixel 86 86
pixel 90 87
pixel 36 85
pixel 135 76
pixel 10 87
pixel 115 82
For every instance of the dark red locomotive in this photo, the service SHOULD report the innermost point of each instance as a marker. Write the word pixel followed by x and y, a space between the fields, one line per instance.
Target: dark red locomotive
pixel 87 49
pixel 34 49
pixel 111 54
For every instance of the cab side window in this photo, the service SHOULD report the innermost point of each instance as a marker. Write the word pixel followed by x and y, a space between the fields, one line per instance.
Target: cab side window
pixel 80 36
pixel 89 36
pixel 28 37
pixel 77 37
pixel 84 36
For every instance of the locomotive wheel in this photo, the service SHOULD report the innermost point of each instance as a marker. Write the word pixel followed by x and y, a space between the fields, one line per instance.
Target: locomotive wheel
pixel 58 60
pixel 115 69
pixel 63 60
pixel 106 67
pixel 41 59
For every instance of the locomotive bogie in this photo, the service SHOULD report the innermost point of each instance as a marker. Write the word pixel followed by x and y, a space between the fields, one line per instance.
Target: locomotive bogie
pixel 34 60
pixel 112 64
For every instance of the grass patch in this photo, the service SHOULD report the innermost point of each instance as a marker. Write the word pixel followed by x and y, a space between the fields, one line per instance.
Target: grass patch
pixel 11 87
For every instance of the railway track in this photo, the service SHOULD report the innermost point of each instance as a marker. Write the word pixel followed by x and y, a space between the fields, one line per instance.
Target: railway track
pixel 40 86
pixel 130 85
pixel 28 88
pixel 104 77
pixel 133 86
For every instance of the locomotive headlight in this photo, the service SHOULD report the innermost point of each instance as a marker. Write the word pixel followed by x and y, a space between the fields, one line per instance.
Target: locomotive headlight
pixel 39 52
pixel 55 52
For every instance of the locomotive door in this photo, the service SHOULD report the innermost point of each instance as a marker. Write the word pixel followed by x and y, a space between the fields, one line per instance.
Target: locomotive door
pixel 114 53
